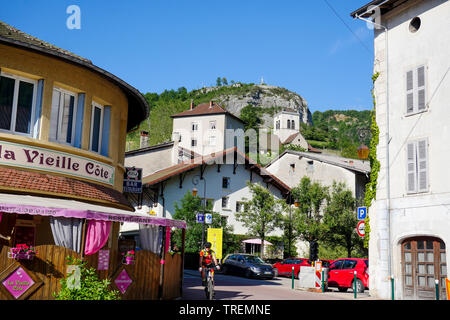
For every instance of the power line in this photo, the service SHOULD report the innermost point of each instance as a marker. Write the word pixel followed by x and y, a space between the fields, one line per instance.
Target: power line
pixel 350 29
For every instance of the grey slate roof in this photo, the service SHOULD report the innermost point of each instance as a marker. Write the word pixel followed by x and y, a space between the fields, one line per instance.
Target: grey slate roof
pixel 350 164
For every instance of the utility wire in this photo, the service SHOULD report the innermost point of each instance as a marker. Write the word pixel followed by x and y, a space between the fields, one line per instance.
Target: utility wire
pixel 350 29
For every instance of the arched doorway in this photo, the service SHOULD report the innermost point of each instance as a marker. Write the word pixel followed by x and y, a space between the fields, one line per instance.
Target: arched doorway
pixel 423 262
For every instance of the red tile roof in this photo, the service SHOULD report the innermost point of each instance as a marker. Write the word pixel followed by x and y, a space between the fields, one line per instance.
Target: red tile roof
pixel 204 109
pixel 15 180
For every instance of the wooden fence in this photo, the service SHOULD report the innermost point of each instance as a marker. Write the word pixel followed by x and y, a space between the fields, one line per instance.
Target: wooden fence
pixel 49 266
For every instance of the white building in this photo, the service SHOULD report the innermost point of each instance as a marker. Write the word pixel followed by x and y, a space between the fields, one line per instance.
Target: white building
pixel 409 220
pixel 203 128
pixel 291 166
pixel 286 123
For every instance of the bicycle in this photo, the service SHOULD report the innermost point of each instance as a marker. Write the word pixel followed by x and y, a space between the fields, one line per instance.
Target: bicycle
pixel 209 289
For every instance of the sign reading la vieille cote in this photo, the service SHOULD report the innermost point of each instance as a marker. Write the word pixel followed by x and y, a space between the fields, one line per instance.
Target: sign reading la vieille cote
pixel 14 154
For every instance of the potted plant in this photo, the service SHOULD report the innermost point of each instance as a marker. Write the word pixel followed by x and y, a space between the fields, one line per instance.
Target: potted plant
pixel 22 252
pixel 129 257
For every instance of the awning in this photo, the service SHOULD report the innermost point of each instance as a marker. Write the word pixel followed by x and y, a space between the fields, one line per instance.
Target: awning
pixel 24 204
pixel 257 241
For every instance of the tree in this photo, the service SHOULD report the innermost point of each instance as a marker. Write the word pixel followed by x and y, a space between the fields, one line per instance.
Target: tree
pixel 340 220
pixel 261 214
pixel 224 81
pixel 187 209
pixel 218 82
pixel 307 218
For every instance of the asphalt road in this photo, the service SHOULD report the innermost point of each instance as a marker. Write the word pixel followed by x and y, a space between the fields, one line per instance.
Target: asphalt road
pixel 229 287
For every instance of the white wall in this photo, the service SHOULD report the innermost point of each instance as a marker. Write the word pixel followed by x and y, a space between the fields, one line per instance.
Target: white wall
pixel 283 133
pixel 418 214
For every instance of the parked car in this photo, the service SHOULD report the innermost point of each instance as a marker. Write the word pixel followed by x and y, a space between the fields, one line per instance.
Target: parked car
pixel 247 265
pixel 284 268
pixel 272 261
pixel 341 274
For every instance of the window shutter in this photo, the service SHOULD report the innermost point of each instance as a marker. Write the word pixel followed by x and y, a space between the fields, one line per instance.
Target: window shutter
pixel 79 120
pixel 38 111
pixel 104 150
pixel 409 92
pixel 411 167
pixel 422 165
pixel 421 88
pixel 54 116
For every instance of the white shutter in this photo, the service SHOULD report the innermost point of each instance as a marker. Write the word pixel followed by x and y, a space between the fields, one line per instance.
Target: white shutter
pixel 409 92
pixel 54 117
pixel 411 167
pixel 421 88
pixel 422 165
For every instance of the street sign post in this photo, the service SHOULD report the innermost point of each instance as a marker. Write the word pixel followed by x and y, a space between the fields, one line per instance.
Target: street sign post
pixel 199 217
pixel 361 229
pixel 362 213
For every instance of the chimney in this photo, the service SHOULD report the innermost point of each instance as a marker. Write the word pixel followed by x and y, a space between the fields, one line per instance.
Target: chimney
pixel 192 104
pixel 210 104
pixel 144 139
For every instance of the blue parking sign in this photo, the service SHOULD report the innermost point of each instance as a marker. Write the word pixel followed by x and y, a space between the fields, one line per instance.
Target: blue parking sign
pixel 200 217
pixel 362 213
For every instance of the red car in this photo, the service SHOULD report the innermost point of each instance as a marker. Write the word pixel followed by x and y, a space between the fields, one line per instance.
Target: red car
pixel 284 268
pixel 341 274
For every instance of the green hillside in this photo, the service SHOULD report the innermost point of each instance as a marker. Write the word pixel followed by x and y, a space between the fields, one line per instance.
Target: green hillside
pixel 333 131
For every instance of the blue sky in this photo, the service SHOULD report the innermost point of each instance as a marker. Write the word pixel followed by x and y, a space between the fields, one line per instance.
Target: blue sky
pixel 155 45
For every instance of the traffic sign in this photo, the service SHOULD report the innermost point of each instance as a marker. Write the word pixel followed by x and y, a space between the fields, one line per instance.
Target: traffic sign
pixel 199 217
pixel 362 213
pixel 208 218
pixel 361 229
pixel 132 180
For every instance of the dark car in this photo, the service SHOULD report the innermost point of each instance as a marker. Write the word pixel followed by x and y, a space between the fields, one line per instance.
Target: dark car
pixel 247 265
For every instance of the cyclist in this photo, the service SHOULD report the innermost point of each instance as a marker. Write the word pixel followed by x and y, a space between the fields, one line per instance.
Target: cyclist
pixel 207 256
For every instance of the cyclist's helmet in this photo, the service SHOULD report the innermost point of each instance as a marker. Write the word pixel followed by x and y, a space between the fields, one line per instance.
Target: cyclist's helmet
pixel 208 245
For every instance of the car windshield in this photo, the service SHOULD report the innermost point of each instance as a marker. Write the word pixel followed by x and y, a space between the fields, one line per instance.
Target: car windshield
pixel 253 259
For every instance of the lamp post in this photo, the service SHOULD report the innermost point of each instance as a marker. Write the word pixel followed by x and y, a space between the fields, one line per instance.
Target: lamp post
pixel 194 193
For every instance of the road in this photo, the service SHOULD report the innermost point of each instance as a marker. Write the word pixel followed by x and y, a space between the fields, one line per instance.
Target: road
pixel 229 287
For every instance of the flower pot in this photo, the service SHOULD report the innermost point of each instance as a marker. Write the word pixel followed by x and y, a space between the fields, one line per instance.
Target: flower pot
pixel 20 256
pixel 129 260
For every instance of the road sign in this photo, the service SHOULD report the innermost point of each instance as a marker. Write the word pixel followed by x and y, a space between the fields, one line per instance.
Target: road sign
pixel 199 217
pixel 362 213
pixel 208 218
pixel 215 237
pixel 361 229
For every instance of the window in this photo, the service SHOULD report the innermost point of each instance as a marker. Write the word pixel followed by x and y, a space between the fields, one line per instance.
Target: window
pixel 63 115
pixel 417 166
pixel 239 206
pixel 225 201
pixel 194 126
pixel 277 124
pixel 289 124
pixel 415 24
pixel 349 264
pixel 17 100
pixel 225 183
pixel 96 127
pixel 415 90
pixel 292 124
pixel 193 142
pixel 212 141
pixel 212 125
pixel 336 265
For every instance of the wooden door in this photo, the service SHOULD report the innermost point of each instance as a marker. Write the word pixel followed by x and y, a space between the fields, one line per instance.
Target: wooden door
pixel 423 262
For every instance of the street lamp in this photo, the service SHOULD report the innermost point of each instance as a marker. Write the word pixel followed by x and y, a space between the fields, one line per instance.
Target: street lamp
pixel 194 193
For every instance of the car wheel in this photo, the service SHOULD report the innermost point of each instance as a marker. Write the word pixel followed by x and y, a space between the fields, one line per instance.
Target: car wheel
pixel 275 272
pixel 359 286
pixel 342 289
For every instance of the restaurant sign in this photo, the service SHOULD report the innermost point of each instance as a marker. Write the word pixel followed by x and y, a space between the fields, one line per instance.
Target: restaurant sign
pixel 24 156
